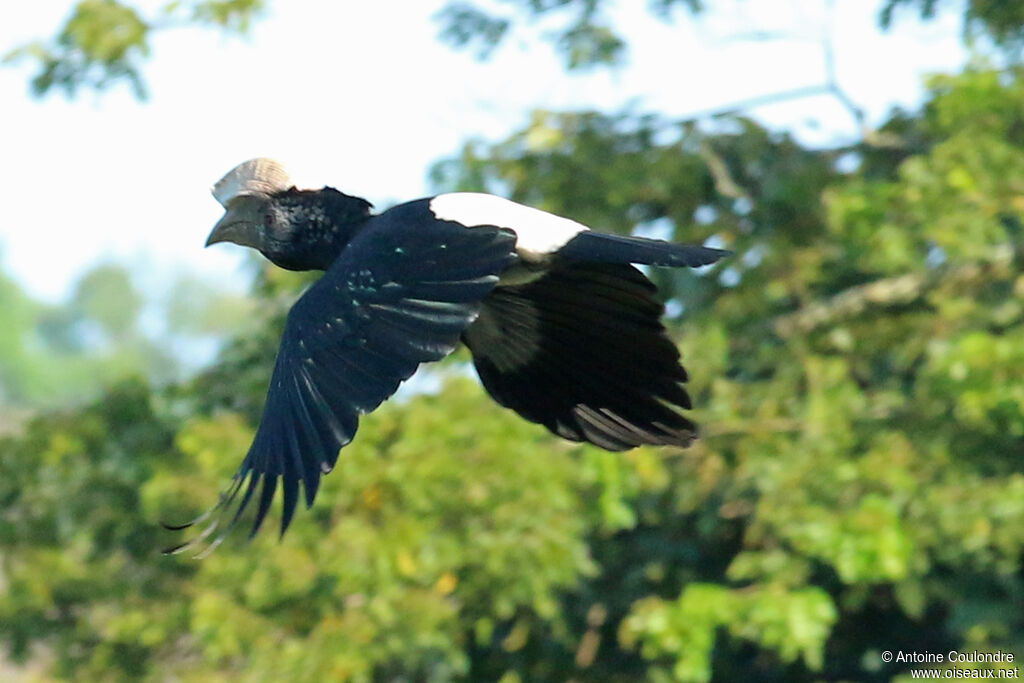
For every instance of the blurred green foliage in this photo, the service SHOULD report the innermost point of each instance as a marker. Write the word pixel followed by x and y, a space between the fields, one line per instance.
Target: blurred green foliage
pixel 1002 20
pixel 586 38
pixel 856 367
pixel 51 355
pixel 103 42
pixel 60 355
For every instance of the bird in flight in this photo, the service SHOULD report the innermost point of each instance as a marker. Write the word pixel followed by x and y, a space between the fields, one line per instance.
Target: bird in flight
pixel 562 328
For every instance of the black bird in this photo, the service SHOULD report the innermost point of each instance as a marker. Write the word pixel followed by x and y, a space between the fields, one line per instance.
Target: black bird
pixel 562 329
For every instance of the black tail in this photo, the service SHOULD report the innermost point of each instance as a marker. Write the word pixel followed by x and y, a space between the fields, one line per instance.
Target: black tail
pixel 602 248
pixel 582 351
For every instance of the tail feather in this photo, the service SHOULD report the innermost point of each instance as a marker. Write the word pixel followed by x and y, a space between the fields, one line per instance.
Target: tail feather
pixel 599 247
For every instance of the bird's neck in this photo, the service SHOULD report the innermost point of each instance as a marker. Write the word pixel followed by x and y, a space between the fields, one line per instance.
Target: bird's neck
pixel 328 219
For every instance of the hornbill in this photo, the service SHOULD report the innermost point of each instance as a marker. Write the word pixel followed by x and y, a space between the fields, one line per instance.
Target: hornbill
pixel 562 328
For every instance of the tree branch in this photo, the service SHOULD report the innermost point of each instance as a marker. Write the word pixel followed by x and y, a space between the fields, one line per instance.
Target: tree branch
pixel 892 291
pixel 724 182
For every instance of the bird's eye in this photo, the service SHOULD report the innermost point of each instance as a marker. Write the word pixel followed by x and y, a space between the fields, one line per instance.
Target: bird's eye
pixel 268 218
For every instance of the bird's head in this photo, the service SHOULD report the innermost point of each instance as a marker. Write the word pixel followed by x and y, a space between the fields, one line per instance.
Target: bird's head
pixel 296 229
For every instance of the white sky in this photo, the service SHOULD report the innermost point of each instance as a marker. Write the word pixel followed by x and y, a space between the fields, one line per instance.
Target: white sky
pixel 362 96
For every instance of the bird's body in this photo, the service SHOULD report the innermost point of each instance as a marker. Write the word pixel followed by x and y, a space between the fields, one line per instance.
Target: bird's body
pixel 562 328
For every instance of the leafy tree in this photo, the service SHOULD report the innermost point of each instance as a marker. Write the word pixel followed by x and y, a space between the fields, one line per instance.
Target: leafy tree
pixel 838 298
pixel 1003 21
pixel 52 355
pixel 857 364
pixel 858 487
pixel 586 38
pixel 103 42
pixel 59 355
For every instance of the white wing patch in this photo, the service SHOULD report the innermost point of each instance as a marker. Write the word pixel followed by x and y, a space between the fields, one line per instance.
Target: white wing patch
pixel 538 233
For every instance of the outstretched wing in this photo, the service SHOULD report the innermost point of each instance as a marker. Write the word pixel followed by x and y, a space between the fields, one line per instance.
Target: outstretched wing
pixel 399 295
pixel 582 351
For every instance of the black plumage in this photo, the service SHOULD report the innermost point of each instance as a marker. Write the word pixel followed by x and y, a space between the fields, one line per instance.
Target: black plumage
pixel 562 329
pixel 581 351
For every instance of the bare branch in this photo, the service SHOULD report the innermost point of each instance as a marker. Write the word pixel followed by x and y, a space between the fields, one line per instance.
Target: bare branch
pixel 871 137
pixel 831 86
pixel 758 101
